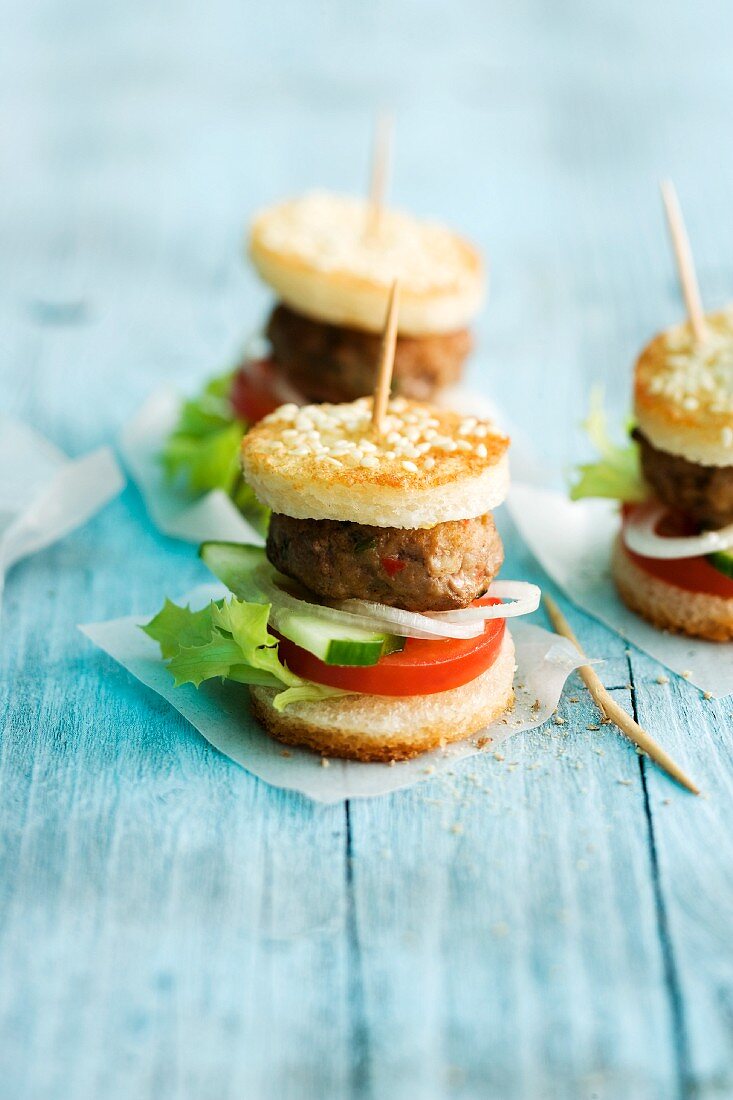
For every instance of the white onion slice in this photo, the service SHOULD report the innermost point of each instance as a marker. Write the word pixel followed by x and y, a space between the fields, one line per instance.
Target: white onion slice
pixel 525 599
pixel 640 535
pixel 410 624
pixel 365 615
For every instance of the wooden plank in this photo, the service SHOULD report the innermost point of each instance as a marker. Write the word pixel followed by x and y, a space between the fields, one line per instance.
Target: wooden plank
pixel 492 903
pixel 154 899
pixel 693 858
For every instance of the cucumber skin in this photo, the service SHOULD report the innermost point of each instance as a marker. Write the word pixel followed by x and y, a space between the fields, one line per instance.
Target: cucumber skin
pixel 722 560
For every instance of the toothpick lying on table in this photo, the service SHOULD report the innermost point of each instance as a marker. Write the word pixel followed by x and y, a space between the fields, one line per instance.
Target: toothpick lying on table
pixel 685 262
pixel 612 710
pixel 381 157
pixel 386 359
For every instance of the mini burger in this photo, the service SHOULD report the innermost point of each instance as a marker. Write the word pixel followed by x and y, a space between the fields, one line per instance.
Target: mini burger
pixel 331 270
pixel 371 626
pixel 673 561
pixel 331 273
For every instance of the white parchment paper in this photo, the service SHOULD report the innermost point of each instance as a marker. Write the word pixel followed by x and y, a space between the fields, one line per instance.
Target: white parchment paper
pixel 174 510
pixel 44 494
pixel 221 712
pixel 572 541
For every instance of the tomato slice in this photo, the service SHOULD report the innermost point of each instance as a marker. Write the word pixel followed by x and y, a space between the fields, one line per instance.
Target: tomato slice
pixel 254 390
pixel 690 574
pixel 422 668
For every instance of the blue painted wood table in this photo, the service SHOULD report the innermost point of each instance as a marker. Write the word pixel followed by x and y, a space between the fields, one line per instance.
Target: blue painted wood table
pixel 556 923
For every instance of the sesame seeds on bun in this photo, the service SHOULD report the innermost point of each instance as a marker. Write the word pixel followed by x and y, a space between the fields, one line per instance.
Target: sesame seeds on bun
pixel 684 392
pixel 428 466
pixel 317 255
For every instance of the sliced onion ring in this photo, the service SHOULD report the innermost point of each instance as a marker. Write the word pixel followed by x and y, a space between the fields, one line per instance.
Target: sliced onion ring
pixel 640 535
pixel 365 615
pixel 410 624
pixel 525 599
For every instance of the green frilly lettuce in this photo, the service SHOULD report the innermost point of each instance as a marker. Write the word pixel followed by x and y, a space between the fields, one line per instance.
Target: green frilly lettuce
pixel 617 473
pixel 203 449
pixel 228 640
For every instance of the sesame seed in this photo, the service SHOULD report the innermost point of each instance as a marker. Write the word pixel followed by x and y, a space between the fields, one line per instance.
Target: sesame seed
pixel 341 435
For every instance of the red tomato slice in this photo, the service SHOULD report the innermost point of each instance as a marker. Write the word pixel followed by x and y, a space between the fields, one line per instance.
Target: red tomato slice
pixel 422 668
pixel 254 391
pixel 690 574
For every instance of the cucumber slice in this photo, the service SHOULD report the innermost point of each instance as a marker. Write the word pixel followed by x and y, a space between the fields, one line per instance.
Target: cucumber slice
pixel 722 560
pixel 237 564
pixel 333 644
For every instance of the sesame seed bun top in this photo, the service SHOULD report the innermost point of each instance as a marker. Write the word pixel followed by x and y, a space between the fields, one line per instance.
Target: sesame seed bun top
pixel 683 394
pixel 428 466
pixel 318 256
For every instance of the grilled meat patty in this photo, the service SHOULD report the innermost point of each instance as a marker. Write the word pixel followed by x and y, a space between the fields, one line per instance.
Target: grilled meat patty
pixel 704 493
pixel 331 363
pixel 439 568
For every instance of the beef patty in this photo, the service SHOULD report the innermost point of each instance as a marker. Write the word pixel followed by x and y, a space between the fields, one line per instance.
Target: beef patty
pixel 433 569
pixel 704 493
pixel 331 363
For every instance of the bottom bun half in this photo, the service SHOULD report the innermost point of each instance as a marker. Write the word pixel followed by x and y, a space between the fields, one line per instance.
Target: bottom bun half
pixel 668 607
pixel 383 728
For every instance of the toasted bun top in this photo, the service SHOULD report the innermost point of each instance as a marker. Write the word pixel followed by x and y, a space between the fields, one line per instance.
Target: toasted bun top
pixel 318 255
pixel 429 465
pixel 683 393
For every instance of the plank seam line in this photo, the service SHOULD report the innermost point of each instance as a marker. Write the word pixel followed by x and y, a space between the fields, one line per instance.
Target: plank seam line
pixel 359 1053
pixel 671 976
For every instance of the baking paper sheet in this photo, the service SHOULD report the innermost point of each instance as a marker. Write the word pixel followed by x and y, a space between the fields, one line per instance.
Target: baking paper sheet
pixel 221 712
pixel 44 494
pixel 572 541
pixel 174 510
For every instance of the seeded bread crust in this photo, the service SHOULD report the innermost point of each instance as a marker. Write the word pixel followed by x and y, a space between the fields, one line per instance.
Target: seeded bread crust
pixel 318 255
pixel 429 465
pixel 683 392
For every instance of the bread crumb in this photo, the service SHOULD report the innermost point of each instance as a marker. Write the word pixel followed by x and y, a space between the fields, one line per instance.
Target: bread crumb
pixel 686 674
pixel 573 699
pixel 429 770
pixel 499 757
pixel 325 762
pixel 456 828
pixel 707 695
pixel 662 679
pixel 592 727
pixel 624 782
pixel 558 720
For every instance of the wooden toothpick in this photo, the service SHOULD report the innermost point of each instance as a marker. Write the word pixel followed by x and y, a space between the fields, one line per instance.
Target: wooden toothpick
pixel 612 710
pixel 685 262
pixel 381 157
pixel 386 359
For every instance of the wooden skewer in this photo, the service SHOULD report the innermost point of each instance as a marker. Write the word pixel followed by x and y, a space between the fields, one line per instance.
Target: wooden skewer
pixel 386 359
pixel 685 262
pixel 381 157
pixel 612 710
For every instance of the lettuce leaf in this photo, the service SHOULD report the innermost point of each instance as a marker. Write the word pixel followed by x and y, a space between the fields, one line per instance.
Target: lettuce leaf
pixel 617 475
pixel 228 640
pixel 203 449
